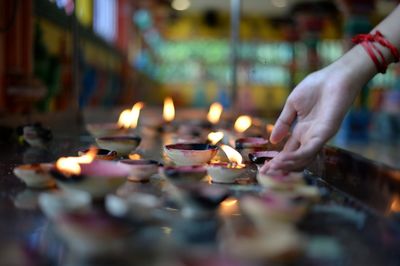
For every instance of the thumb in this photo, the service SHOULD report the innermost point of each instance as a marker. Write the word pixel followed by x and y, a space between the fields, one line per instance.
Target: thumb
pixel 283 124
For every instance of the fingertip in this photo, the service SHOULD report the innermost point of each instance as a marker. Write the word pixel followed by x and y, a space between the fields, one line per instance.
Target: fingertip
pixel 278 133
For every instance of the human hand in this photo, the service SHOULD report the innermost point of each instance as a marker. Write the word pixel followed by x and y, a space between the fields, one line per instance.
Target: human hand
pixel 314 110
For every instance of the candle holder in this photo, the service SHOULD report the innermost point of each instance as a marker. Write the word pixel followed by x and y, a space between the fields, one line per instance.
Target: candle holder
pixel 102 154
pixel 97 178
pixel 140 170
pixel 35 175
pixel 281 181
pixel 123 145
pixel 250 145
pixel 225 173
pixel 190 153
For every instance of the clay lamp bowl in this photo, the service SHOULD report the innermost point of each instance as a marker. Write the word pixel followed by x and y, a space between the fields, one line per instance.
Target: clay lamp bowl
pixel 98 178
pixel 35 175
pixel 227 172
pixel 190 153
pixel 224 172
pixel 123 145
pixel 181 174
pixel 281 181
pixel 250 145
pixel 260 157
pixel 274 206
pixel 140 170
pixel 102 154
pixel 104 129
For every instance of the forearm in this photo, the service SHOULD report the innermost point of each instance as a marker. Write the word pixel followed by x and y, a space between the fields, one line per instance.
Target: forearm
pixel 356 66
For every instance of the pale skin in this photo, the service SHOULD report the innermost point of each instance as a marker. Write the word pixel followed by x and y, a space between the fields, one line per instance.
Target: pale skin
pixel 315 109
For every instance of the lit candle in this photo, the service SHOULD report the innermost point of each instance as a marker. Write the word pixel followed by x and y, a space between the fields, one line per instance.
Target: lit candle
pixel 168 110
pixel 242 123
pixel 214 113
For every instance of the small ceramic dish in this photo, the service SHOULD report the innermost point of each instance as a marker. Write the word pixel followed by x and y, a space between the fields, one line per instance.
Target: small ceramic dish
pixel 35 175
pixel 36 135
pixel 123 145
pixel 250 145
pixel 140 170
pixel 102 154
pixel 190 153
pixel 274 206
pixel 104 129
pixel 61 202
pixel 225 173
pixel 97 178
pixel 193 173
pixel 281 181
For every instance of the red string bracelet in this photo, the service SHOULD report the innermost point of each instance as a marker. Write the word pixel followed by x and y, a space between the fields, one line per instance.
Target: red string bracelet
pixel 367 41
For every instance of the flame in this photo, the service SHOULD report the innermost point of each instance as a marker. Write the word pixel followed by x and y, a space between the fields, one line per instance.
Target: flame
pixel 229 202
pixel 233 155
pixel 135 156
pixel 214 113
pixel 135 112
pixel 129 118
pixel 269 128
pixel 70 165
pixel 124 119
pixel 169 109
pixel 242 123
pixel 215 137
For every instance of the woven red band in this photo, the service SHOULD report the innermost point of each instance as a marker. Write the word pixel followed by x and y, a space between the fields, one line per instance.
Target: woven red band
pixel 368 40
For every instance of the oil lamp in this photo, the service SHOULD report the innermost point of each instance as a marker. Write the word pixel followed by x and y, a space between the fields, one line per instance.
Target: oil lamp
pixel 128 119
pixel 35 175
pixel 96 177
pixel 227 172
pixel 214 113
pixel 249 145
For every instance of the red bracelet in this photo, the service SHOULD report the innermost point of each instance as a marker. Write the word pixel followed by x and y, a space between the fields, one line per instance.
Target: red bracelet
pixel 368 40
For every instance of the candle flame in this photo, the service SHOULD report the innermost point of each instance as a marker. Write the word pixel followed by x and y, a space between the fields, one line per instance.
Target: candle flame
pixel 214 113
pixel 70 165
pixel 233 155
pixel 242 123
pixel 269 128
pixel 129 118
pixel 135 112
pixel 135 156
pixel 169 109
pixel 215 137
pixel 124 119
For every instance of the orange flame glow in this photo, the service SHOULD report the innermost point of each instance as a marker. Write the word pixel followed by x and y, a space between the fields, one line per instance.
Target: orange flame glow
pixel 124 119
pixel 129 118
pixel 233 155
pixel 169 110
pixel 135 156
pixel 214 113
pixel 229 207
pixel 395 204
pixel 215 137
pixel 135 112
pixel 242 123
pixel 70 165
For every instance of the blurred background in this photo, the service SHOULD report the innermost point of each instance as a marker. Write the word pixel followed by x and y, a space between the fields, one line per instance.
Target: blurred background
pixel 63 55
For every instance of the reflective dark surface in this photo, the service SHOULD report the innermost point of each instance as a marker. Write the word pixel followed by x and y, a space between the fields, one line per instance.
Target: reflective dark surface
pixel 355 223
